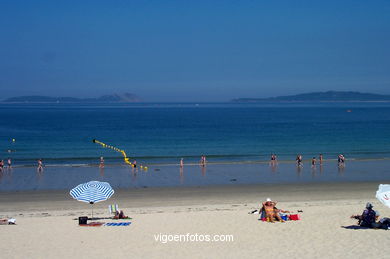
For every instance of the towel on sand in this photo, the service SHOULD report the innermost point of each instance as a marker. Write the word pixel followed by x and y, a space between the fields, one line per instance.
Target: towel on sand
pixel 7 221
pixel 117 224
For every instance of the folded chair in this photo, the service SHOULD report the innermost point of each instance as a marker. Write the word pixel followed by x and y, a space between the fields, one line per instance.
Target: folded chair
pixel 113 208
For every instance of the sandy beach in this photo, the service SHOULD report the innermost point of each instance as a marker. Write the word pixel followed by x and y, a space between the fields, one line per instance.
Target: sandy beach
pixel 47 223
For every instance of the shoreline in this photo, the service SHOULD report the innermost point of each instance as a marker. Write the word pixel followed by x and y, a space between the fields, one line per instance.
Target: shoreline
pixel 124 177
pixel 189 196
pixel 121 164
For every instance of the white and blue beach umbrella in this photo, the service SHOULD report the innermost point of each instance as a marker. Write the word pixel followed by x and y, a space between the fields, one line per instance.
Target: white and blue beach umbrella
pixel 383 194
pixel 92 192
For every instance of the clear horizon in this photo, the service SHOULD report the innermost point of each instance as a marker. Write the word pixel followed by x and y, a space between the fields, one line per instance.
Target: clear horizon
pixel 195 51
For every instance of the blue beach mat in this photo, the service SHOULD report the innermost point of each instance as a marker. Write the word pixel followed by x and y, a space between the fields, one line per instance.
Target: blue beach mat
pixel 117 224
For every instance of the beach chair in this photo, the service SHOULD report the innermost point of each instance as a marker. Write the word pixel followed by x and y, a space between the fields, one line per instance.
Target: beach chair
pixel 113 208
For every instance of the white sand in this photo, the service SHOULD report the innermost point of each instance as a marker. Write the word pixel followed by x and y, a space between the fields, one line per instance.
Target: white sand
pixel 318 235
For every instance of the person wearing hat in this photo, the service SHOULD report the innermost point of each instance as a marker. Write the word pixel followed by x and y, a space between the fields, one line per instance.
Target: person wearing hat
pixel 269 209
pixel 368 218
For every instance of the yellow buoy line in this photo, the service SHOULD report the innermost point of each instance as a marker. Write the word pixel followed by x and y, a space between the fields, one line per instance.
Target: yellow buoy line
pixel 125 158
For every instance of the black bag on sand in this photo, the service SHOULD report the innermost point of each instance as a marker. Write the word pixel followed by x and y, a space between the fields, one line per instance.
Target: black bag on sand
pixel 83 220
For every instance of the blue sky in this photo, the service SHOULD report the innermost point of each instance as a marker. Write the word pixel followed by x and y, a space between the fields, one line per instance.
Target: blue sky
pixel 193 50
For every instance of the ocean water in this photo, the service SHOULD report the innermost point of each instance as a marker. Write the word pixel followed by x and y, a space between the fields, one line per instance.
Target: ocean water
pixel 62 134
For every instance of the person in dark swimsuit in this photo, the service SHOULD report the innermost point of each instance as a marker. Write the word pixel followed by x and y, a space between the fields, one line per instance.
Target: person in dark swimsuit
pixel 313 162
pixel 299 160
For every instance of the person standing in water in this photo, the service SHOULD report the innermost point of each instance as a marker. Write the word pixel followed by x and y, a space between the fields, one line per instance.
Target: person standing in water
pixel 341 160
pixel 181 170
pixel 40 166
pixel 181 163
pixel 313 162
pixel 101 165
pixel 299 160
pixel 273 160
pixel 320 158
pixel 9 163
pixel 203 160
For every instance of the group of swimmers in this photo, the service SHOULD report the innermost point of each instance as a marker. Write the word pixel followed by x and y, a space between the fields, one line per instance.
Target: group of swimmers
pixel 299 160
pixel 9 162
pixel 202 162
pixel 274 160
pixel 9 165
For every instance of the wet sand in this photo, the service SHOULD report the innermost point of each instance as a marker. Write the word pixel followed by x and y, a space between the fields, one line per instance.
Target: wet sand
pixel 67 177
pixel 183 196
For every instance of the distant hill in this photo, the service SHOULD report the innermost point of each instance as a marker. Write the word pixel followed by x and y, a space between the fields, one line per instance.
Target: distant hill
pixel 114 98
pixel 330 96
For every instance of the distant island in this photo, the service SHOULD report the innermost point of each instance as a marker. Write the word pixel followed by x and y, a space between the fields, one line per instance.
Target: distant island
pixel 114 98
pixel 329 96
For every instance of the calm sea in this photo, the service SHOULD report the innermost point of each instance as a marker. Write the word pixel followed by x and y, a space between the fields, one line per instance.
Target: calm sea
pixel 163 133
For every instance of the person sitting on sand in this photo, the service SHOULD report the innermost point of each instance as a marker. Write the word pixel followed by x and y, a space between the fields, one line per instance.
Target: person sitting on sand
pixel 270 212
pixel 120 215
pixel 368 218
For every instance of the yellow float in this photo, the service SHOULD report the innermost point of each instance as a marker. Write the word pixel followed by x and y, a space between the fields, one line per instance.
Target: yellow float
pixel 125 158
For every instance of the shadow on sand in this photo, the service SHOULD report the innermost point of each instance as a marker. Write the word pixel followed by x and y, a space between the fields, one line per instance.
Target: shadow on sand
pixel 355 227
